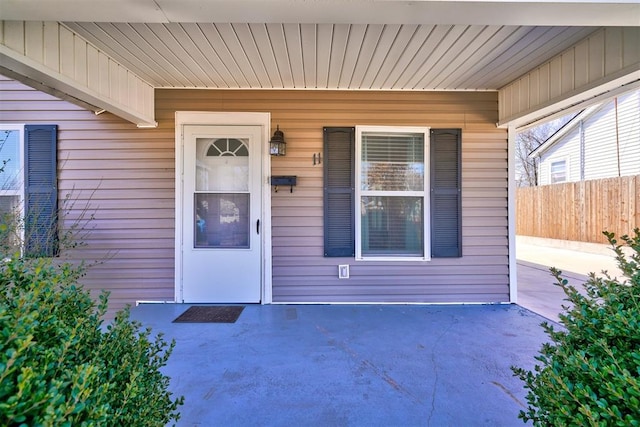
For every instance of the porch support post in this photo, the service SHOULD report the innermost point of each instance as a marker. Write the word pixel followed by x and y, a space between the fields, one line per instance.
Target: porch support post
pixel 511 215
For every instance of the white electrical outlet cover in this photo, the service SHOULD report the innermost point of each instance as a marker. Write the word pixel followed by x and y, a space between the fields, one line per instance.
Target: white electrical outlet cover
pixel 343 271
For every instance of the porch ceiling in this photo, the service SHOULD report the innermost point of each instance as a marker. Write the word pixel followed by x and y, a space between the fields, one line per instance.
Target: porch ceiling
pixel 335 44
pixel 329 56
pixel 330 44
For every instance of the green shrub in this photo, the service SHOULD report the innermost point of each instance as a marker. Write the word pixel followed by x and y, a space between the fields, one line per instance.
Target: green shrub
pixel 590 371
pixel 60 366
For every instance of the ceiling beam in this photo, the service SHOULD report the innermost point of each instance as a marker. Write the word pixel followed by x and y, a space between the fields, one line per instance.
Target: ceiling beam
pixel 54 59
pixel 466 12
pixel 604 61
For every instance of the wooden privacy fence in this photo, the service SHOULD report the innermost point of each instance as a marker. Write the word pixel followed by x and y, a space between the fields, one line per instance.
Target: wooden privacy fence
pixel 579 211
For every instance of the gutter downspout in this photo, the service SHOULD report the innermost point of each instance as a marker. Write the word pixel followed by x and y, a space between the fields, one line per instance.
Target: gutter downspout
pixel 615 103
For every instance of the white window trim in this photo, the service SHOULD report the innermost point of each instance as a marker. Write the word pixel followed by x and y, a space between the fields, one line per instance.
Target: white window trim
pixel 567 168
pixel 20 191
pixel 426 193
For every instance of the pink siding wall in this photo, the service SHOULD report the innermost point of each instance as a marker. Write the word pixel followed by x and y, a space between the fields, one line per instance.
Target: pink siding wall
pixel 121 176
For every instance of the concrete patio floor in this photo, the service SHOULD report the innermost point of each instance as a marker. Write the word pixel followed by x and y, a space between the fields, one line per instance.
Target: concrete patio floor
pixel 368 365
pixel 351 365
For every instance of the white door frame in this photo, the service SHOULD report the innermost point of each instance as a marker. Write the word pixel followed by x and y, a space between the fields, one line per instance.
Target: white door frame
pixel 183 118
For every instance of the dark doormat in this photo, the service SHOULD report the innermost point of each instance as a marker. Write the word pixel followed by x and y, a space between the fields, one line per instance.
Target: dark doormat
pixel 210 314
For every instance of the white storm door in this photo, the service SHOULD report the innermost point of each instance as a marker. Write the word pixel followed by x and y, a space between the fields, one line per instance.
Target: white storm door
pixel 221 243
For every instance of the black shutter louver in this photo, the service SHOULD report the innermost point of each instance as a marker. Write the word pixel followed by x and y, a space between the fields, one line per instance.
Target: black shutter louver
pixel 41 195
pixel 339 223
pixel 446 194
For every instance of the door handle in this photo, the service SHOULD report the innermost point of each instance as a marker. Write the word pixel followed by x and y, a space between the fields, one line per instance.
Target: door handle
pixel 258 226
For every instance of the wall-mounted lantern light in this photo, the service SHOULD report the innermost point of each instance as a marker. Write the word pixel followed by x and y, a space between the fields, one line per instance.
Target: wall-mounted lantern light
pixel 277 146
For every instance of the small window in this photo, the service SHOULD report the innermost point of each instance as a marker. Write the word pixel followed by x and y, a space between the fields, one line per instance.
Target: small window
pixel 558 170
pixel 391 183
pixel 28 189
pixel 228 147
pixel 11 160
pixel 11 186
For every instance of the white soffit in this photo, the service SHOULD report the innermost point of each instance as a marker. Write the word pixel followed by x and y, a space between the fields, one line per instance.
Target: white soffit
pixel 54 59
pixel 329 56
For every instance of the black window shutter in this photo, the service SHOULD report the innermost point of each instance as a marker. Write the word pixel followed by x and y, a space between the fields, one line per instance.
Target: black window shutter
pixel 446 194
pixel 41 195
pixel 339 186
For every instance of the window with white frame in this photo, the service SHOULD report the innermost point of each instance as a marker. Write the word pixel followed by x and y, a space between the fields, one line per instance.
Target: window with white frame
pixel 11 185
pixel 409 193
pixel 558 171
pixel 28 189
pixel 392 201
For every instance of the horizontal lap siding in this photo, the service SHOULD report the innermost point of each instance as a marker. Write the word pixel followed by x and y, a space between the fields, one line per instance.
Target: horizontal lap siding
pixel 125 178
pixel 300 271
pixel 119 176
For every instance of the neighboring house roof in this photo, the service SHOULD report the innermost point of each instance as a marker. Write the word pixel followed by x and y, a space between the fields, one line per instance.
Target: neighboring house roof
pixel 564 130
pixel 583 116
